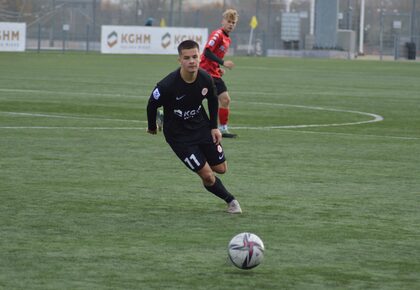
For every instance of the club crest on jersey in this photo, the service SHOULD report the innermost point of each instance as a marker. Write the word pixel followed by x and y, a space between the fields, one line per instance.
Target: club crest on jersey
pixel 156 94
pixel 204 91
pixel 219 149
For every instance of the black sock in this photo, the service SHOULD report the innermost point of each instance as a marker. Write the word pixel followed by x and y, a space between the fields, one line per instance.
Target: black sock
pixel 219 190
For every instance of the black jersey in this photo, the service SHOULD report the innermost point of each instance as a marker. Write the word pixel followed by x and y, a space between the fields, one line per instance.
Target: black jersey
pixel 185 118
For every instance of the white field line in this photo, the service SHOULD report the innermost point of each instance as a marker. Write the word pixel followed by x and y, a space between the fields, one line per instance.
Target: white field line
pixel 144 128
pixel 376 118
pixel 68 117
pixel 351 135
pixel 71 93
pixel 73 128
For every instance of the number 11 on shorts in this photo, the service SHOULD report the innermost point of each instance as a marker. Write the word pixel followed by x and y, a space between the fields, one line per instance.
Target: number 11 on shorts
pixel 193 159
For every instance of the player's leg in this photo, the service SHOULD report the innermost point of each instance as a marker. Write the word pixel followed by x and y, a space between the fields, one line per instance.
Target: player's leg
pixel 195 158
pixel 220 168
pixel 224 102
pixel 224 109
pixel 217 163
pixel 214 185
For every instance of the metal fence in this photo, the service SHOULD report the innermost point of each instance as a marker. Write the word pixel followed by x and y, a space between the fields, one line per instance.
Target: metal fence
pixel 75 24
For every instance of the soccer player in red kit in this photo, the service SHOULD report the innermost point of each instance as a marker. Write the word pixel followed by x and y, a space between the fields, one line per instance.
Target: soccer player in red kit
pixel 212 60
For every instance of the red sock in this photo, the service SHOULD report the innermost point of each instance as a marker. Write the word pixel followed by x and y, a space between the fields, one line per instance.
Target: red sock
pixel 223 116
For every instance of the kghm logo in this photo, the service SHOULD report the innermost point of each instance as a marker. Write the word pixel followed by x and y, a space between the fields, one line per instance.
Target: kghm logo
pixel 112 39
pixel 9 35
pixel 166 40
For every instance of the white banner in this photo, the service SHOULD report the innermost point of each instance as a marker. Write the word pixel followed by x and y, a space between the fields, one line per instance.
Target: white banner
pixel 12 36
pixel 148 40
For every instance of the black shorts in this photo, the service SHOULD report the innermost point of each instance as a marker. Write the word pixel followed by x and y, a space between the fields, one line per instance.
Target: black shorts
pixel 195 156
pixel 220 86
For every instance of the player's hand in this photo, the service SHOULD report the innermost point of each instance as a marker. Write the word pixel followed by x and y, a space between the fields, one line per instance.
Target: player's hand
pixel 153 132
pixel 229 64
pixel 221 71
pixel 217 136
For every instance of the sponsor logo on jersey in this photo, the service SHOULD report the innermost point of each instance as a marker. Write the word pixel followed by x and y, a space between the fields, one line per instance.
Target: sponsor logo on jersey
pixel 187 114
pixel 156 94
pixel 180 97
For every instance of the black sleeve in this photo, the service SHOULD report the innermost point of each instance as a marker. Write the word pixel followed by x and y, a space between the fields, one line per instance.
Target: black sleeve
pixel 210 55
pixel 151 115
pixel 213 104
pixel 152 107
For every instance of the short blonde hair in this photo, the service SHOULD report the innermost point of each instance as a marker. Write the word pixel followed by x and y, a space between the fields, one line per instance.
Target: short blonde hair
pixel 231 14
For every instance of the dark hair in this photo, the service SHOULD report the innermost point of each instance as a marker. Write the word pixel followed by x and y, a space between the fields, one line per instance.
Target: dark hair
pixel 187 44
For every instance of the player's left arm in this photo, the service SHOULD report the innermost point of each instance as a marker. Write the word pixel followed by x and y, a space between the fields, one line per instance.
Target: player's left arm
pixel 217 136
pixel 213 106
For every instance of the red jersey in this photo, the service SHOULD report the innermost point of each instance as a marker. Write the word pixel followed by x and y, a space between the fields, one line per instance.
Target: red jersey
pixel 218 43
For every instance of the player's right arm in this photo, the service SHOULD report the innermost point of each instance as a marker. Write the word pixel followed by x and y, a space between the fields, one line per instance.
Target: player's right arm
pixel 210 55
pixel 152 106
pixel 229 64
pixel 213 44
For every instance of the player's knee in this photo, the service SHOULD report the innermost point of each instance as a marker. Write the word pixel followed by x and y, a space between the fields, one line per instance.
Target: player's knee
pixel 208 178
pixel 225 101
pixel 220 168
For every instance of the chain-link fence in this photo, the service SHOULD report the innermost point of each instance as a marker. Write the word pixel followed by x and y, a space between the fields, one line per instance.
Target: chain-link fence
pixel 390 27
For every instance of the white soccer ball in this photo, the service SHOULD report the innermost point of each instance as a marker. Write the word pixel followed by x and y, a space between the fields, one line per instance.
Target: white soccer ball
pixel 246 250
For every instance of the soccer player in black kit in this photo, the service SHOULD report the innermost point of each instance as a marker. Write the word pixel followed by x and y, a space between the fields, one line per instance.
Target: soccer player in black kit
pixel 192 134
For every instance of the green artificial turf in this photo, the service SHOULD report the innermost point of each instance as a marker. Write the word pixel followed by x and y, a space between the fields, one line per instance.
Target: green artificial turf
pixel 89 200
